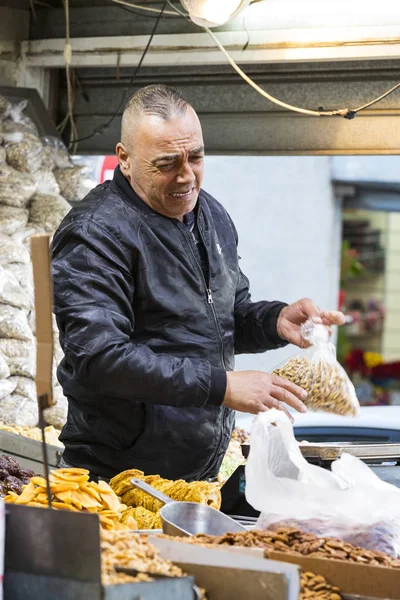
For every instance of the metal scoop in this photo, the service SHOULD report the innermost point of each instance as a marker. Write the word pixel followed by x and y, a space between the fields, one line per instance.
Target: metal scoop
pixel 189 518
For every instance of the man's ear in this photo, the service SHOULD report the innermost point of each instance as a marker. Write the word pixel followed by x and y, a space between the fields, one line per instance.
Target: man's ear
pixel 124 159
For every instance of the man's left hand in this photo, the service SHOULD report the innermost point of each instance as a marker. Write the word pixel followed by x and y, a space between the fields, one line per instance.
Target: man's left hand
pixel 294 315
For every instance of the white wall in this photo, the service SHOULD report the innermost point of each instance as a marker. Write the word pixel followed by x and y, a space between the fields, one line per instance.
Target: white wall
pixel 289 227
pixel 366 168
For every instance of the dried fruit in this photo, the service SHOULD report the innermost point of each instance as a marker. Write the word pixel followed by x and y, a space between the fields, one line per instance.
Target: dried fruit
pixel 71 490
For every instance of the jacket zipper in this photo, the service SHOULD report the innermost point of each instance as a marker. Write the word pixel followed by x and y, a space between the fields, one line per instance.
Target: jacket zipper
pixel 211 302
pixel 210 299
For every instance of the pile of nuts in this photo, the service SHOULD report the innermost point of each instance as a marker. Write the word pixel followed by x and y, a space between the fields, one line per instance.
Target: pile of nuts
pixel 315 587
pixel 294 541
pixel 379 536
pixel 326 383
pixel 129 550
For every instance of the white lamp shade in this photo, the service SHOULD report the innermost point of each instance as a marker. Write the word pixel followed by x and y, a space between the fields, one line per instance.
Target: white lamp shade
pixel 212 13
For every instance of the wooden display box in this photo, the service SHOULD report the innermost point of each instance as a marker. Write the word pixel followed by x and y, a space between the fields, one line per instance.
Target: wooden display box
pixel 353 579
pixel 230 573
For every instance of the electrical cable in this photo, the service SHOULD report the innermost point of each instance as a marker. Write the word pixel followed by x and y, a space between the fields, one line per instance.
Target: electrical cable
pixel 70 95
pixel 102 128
pixel 133 11
pixel 145 8
pixel 347 113
pixel 177 10
pixel 32 8
pixel 395 87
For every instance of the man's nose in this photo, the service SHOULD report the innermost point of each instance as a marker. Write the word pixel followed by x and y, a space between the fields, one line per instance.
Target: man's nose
pixel 185 173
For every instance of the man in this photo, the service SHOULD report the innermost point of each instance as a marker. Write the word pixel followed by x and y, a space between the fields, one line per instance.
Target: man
pixel 152 307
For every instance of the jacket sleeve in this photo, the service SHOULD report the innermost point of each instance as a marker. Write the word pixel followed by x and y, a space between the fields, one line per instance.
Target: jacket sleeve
pixel 255 322
pixel 94 296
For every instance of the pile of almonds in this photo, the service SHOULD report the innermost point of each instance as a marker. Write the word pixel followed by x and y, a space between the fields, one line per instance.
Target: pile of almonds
pixel 294 541
pixel 315 587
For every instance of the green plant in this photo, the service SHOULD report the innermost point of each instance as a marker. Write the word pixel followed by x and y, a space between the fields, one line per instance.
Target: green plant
pixel 350 266
pixel 343 346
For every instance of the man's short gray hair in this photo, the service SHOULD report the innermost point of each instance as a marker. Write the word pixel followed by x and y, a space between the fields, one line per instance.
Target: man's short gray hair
pixel 159 99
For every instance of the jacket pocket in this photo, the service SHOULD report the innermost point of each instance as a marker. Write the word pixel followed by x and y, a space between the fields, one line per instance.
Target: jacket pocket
pixel 123 424
pixel 185 428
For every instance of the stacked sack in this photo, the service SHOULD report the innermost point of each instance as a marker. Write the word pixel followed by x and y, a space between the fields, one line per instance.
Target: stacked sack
pixel 36 180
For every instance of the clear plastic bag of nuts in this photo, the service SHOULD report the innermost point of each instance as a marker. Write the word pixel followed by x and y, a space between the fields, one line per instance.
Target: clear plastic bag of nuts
pixel 317 371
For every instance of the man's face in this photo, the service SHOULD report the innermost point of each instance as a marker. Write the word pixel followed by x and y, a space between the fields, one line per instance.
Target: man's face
pixel 163 160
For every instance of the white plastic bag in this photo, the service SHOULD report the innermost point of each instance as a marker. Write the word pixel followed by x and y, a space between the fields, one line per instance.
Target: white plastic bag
pixel 17 121
pixel 75 182
pixel 24 387
pixel 14 323
pixel 16 188
pixel 5 107
pixel 46 182
pixel 7 387
pixel 56 154
pixel 23 236
pixel 317 371
pixel 12 219
pixel 47 211
pixel 4 370
pixel 12 252
pixel 57 414
pixel 25 155
pixel 20 356
pixel 23 276
pixel 350 503
pixel 17 410
pixel 11 292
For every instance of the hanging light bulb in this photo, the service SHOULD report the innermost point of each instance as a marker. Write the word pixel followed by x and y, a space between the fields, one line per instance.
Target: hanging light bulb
pixel 212 13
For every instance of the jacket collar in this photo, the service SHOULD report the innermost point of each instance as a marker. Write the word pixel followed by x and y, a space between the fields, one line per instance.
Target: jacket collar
pixel 124 189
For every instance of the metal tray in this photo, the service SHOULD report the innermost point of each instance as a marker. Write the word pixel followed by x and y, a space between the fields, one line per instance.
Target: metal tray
pixel 352 597
pixel 28 452
pixel 375 453
pixel 47 557
pixel 28 586
pixel 330 451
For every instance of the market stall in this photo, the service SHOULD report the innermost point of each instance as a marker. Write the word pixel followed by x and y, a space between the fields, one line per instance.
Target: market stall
pixel 116 559
pixel 67 536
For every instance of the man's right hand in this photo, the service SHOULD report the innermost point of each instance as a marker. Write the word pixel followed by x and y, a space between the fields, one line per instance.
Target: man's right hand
pixel 255 391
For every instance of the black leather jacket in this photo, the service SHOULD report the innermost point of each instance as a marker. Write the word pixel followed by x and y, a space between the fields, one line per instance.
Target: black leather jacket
pixel 147 340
